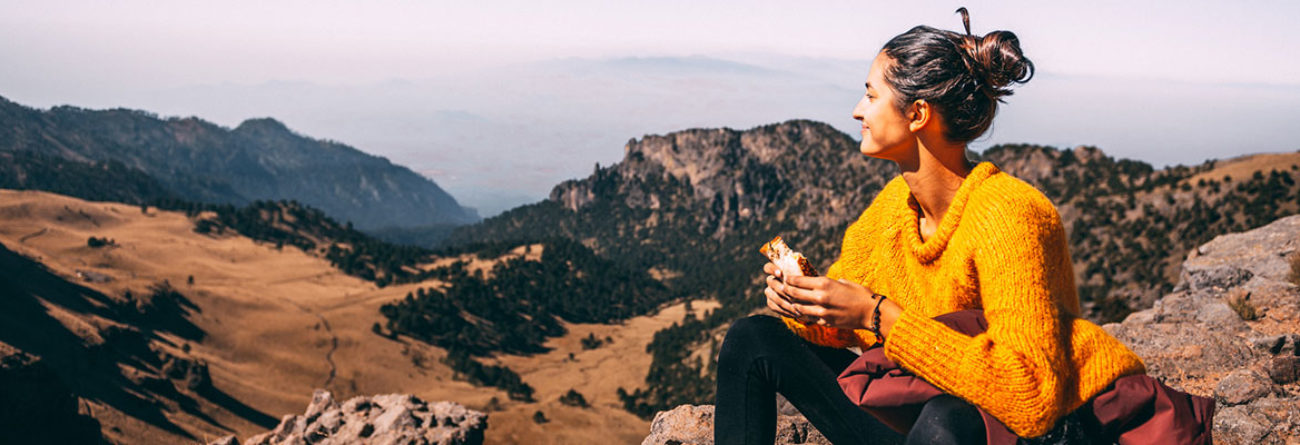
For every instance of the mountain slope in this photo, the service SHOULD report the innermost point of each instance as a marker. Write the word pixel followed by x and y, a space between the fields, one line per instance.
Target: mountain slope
pixel 268 325
pixel 260 159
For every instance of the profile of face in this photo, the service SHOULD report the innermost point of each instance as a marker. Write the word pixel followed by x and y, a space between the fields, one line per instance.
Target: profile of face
pixel 887 133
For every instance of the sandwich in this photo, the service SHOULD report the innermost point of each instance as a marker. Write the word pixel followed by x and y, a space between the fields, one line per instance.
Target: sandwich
pixel 791 263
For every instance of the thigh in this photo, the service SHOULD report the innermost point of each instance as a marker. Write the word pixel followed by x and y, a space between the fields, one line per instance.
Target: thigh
pixel 805 374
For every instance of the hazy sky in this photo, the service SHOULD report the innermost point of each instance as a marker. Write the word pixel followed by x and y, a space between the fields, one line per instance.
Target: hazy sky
pixel 497 101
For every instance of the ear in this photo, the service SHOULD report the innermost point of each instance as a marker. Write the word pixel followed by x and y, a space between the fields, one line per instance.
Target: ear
pixel 919 115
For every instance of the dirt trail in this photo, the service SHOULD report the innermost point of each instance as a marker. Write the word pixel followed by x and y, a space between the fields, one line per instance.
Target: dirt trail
pixel 334 341
pixel 26 237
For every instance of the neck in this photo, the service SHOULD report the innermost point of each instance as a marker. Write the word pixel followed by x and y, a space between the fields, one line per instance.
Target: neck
pixel 935 175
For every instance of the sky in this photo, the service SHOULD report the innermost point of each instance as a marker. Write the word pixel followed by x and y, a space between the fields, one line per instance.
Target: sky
pixel 499 101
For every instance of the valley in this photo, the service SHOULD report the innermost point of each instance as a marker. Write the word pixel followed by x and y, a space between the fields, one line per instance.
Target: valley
pixel 277 323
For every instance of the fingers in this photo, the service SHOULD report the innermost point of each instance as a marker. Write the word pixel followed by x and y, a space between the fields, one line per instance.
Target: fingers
pixel 778 304
pixel 806 296
pixel 811 311
pixel 814 283
pixel 775 285
pixel 770 269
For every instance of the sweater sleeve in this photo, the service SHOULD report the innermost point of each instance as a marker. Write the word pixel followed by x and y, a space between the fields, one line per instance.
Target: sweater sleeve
pixel 855 248
pixel 1017 370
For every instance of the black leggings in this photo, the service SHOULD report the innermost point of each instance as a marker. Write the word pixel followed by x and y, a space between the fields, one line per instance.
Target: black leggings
pixel 761 357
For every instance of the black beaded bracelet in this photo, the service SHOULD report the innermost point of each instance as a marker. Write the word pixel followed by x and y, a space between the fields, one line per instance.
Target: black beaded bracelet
pixel 875 319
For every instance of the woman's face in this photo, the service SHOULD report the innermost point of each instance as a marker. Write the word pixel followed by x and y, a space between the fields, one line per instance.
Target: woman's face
pixel 886 133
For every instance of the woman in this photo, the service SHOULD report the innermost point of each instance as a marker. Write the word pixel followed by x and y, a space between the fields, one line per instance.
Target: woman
pixel 944 236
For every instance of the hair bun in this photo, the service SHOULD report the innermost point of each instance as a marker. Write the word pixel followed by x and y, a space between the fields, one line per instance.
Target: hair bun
pixel 995 59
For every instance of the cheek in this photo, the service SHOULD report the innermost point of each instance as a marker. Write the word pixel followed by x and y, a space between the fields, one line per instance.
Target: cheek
pixel 879 123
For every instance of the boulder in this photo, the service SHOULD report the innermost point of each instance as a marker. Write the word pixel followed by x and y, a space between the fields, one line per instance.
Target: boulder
pixel 1193 341
pixel 383 419
pixel 693 425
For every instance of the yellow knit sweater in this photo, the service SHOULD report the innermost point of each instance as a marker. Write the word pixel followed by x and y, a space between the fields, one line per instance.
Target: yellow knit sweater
pixel 1000 248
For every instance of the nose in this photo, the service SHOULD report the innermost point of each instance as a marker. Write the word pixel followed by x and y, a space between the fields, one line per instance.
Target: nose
pixel 860 109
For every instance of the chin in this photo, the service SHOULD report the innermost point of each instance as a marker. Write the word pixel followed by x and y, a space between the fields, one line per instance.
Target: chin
pixel 869 150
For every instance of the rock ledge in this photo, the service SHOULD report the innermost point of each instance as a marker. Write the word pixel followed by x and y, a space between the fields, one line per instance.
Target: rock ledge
pixel 383 419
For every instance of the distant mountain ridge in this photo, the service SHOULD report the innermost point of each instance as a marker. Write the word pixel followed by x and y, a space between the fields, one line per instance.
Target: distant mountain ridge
pixel 261 159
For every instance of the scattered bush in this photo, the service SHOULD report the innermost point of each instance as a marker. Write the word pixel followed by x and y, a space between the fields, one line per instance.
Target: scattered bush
pixel 1240 303
pixel 591 342
pixel 493 404
pixel 539 417
pixel 96 243
pixel 483 375
pixel 574 398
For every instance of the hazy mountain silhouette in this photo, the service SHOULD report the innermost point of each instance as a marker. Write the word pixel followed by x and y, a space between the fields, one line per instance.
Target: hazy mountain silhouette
pixel 261 159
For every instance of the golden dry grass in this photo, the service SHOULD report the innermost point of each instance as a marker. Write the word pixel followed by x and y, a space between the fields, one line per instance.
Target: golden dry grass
pixel 276 319
pixel 1242 167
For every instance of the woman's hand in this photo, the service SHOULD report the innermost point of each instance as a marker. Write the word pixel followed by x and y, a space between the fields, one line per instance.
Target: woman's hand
pixel 834 303
pixel 775 300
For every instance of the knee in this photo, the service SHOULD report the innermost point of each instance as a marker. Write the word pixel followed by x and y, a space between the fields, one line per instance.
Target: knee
pixel 947 419
pixel 749 335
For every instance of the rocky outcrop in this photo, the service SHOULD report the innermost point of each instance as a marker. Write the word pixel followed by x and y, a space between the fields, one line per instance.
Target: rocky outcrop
pixel 692 424
pixel 1230 330
pixel 735 177
pixel 384 419
pixel 36 406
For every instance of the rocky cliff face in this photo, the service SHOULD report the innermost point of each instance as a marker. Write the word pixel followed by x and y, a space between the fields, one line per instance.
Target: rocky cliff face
pixel 385 419
pixel 1230 330
pixel 801 170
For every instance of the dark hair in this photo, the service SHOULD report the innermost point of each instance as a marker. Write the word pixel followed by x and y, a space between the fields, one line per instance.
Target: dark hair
pixel 963 76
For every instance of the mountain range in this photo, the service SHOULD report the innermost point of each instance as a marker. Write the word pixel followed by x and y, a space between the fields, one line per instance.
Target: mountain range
pixel 678 219
pixel 261 159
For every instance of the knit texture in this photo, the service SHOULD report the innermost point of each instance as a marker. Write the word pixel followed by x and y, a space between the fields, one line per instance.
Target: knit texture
pixel 1001 248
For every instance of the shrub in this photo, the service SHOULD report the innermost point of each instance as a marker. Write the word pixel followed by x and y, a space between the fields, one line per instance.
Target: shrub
pixel 540 417
pixel 1240 303
pixel 95 242
pixel 574 398
pixel 591 342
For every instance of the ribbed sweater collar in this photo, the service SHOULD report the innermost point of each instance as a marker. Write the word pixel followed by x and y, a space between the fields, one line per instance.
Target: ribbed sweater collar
pixel 929 250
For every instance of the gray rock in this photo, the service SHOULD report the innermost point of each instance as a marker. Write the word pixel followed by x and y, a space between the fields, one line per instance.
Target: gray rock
pixel 228 440
pixel 685 424
pixel 384 419
pixel 1285 344
pixel 1262 252
pixel 1236 425
pixel 1214 277
pixel 693 424
pixel 1241 386
pixel 1220 317
pixel 1284 369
